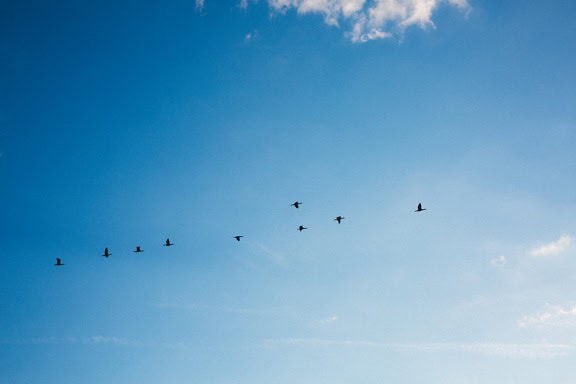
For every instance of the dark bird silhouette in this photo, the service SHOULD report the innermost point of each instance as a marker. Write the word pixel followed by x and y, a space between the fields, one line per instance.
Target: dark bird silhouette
pixel 59 263
pixel 238 237
pixel 106 253
pixel 301 228
pixel 296 204
pixel 138 249
pixel 420 209
pixel 168 243
pixel 339 219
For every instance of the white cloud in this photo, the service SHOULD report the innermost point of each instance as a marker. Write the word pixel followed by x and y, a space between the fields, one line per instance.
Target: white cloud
pixel 349 7
pixel 199 5
pixel 282 5
pixel 554 248
pixel 421 14
pixel 362 33
pixel 365 20
pixel 328 321
pixel 459 3
pixel 250 36
pixel 499 261
pixel 329 8
pixel 515 351
pixel 551 316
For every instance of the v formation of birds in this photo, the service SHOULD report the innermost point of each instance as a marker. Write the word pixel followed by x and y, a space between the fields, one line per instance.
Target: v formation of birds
pixel 167 243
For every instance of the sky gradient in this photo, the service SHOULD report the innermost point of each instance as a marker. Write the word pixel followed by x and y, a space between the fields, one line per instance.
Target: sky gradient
pixel 122 125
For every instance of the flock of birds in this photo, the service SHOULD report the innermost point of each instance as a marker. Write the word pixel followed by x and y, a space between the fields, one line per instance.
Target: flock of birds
pixel 295 204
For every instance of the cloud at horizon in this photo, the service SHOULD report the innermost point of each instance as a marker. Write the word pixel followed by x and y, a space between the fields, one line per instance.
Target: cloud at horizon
pixel 505 350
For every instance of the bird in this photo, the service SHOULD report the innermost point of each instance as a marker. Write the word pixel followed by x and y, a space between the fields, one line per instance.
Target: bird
pixel 339 219
pixel 168 243
pixel 59 263
pixel 238 237
pixel 295 204
pixel 420 209
pixel 138 249
pixel 301 228
pixel 106 253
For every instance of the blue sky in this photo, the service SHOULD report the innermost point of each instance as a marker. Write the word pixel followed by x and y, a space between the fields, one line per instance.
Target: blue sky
pixel 125 124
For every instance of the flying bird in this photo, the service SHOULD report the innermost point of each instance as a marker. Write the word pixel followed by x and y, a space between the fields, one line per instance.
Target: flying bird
pixel 295 204
pixel 420 209
pixel 138 249
pixel 168 243
pixel 106 253
pixel 301 228
pixel 238 237
pixel 339 219
pixel 58 262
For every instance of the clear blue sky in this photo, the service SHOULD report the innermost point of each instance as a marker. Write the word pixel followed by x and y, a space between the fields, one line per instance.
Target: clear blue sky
pixel 125 123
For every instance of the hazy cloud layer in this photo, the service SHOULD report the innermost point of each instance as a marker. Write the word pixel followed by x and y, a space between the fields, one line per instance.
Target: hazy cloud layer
pixel 515 351
pixel 554 248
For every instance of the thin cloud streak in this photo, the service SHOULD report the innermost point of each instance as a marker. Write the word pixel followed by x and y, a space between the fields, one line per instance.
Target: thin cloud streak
pixel 328 321
pixel 554 248
pixel 552 316
pixel 275 256
pixel 236 310
pixel 513 351
pixel 95 340
pixel 82 340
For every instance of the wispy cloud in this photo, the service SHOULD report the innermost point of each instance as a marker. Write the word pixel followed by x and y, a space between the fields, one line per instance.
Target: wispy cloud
pixel 514 351
pixel 217 308
pixel 199 5
pixel 551 316
pixel 366 20
pixel 275 256
pixel 328 321
pixel 81 340
pixel 554 248
pixel 95 340
pixel 499 261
